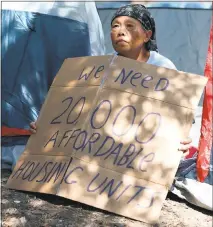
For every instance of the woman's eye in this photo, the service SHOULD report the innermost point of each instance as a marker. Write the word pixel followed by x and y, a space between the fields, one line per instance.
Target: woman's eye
pixel 115 26
pixel 130 25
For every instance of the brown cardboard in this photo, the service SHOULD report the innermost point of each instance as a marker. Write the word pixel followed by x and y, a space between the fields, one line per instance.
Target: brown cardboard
pixel 141 168
pixel 122 132
pixel 39 173
pixel 182 90
pixel 73 69
pixel 47 126
pixel 103 188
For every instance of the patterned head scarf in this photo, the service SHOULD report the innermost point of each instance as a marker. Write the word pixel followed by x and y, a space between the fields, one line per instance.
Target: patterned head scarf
pixel 140 13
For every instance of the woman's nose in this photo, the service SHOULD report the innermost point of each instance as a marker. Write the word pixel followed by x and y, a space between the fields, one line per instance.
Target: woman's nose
pixel 122 31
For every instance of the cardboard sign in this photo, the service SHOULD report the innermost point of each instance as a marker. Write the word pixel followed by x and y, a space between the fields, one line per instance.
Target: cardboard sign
pixel 108 135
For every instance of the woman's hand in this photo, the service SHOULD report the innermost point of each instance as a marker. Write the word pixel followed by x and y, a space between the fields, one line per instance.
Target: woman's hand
pixel 185 144
pixel 33 127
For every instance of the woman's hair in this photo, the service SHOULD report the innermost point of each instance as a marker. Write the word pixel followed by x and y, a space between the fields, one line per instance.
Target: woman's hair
pixel 140 13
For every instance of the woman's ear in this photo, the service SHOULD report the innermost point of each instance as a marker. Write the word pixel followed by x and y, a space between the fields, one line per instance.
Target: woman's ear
pixel 148 35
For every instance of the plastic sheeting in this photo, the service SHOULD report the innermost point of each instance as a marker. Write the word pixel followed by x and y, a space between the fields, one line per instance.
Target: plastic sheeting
pixel 205 145
pixel 187 187
pixel 192 191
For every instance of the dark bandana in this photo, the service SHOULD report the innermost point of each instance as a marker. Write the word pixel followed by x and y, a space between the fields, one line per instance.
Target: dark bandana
pixel 140 13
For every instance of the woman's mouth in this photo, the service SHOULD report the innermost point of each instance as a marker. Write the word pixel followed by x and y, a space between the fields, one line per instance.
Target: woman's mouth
pixel 121 41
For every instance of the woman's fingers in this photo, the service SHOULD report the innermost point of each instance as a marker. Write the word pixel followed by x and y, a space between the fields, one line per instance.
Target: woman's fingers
pixel 187 140
pixel 33 127
pixel 185 144
pixel 184 148
pixel 33 131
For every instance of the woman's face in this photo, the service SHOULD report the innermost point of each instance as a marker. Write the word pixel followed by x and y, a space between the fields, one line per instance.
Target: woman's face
pixel 127 35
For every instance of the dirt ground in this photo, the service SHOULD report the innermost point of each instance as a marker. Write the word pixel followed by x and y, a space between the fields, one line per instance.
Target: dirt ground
pixel 32 209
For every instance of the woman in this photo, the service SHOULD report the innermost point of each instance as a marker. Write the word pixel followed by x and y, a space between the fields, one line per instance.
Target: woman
pixel 133 36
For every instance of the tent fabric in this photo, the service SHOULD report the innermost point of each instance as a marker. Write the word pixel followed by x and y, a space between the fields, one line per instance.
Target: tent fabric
pixel 36 38
pixel 32 57
pixel 177 33
pixel 33 50
pixel 180 5
pixel 6 131
pixel 10 155
pixel 11 149
pixel 195 173
pixel 157 4
pixel 85 12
